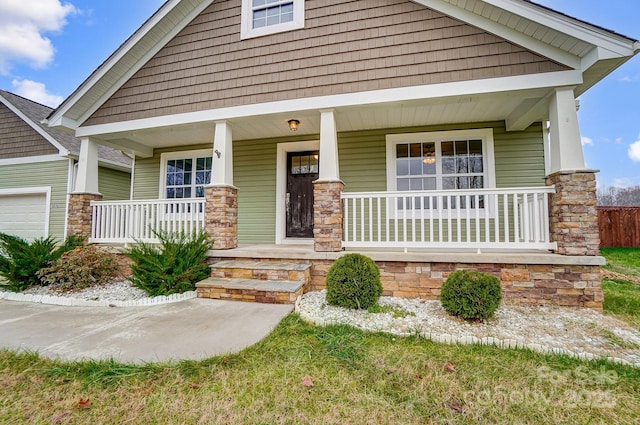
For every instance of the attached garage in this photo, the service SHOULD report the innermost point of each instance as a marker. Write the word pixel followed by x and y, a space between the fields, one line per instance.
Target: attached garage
pixel 24 212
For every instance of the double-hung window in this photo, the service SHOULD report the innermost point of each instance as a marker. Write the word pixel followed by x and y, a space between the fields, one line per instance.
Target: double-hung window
pixel 262 17
pixel 434 161
pixel 185 174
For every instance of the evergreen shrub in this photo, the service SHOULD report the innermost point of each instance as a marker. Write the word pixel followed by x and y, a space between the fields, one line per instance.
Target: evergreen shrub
pixel 471 295
pixel 353 281
pixel 21 260
pixel 174 266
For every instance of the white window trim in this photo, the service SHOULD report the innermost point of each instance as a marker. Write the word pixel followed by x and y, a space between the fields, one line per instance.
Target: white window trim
pixel 484 134
pixel 166 156
pixel 247 30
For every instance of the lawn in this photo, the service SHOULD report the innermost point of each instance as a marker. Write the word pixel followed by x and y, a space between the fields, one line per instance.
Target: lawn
pixel 621 295
pixel 304 374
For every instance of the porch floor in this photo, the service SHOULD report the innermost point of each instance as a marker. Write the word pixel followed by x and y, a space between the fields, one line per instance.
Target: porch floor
pixel 469 256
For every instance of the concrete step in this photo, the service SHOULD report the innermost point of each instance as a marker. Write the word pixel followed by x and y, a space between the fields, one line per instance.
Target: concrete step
pixel 262 270
pixel 251 290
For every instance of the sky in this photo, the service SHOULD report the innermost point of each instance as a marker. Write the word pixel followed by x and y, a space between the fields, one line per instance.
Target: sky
pixel 49 47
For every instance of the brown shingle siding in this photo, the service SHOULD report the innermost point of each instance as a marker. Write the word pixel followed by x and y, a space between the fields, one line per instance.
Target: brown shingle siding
pixel 18 139
pixel 345 47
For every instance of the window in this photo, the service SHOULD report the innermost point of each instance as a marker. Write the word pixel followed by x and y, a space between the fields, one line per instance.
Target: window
pixel 440 161
pixel 262 17
pixel 185 174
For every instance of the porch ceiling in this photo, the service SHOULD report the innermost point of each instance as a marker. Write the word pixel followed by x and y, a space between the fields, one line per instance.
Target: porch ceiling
pixel 455 109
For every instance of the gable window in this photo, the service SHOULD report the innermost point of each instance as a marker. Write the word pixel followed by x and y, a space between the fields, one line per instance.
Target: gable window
pixel 185 174
pixel 262 17
pixel 452 160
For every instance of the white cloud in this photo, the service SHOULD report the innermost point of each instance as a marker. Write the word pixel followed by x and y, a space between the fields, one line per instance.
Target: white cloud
pixel 23 24
pixel 587 141
pixel 634 151
pixel 36 91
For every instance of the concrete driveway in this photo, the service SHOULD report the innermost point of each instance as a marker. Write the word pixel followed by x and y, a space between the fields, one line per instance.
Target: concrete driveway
pixel 193 329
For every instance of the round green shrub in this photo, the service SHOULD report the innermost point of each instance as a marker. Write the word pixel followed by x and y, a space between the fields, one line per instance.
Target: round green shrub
pixel 471 295
pixel 353 281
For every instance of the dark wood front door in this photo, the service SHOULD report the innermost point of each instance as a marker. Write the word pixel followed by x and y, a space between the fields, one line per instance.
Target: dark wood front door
pixel 302 170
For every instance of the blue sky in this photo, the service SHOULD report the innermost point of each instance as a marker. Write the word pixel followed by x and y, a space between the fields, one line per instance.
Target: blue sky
pixel 49 47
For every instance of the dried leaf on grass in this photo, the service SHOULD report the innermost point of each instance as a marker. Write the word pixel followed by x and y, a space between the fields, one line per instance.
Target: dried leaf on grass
pixel 83 403
pixel 307 382
pixel 449 367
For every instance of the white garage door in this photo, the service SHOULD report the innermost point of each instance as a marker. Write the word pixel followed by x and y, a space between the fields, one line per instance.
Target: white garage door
pixel 24 215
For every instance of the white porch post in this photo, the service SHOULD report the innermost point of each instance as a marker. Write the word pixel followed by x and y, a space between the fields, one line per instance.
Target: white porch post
pixel 327 190
pixel 222 173
pixel 329 164
pixel 87 178
pixel 221 207
pixel 573 218
pixel 79 211
pixel 566 143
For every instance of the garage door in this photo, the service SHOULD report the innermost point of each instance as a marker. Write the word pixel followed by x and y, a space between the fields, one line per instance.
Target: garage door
pixel 24 215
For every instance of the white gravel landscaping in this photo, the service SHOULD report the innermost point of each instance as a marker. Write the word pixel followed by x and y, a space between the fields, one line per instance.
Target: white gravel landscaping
pixel 582 333
pixel 118 293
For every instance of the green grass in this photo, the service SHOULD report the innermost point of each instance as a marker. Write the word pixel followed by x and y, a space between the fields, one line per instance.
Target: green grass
pixel 621 297
pixel 622 260
pixel 358 378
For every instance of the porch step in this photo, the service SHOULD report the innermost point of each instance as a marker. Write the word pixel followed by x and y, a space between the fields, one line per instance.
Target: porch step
pixel 270 282
pixel 251 290
pixel 262 270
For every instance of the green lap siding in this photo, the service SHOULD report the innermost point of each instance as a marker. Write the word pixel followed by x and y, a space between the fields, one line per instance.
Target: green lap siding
pixel 519 162
pixel 114 185
pixel 42 174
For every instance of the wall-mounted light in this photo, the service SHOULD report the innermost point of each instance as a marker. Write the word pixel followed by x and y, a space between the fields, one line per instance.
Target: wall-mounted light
pixel 293 125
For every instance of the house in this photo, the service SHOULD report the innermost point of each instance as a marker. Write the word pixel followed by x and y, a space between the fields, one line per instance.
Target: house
pixel 432 135
pixel 37 170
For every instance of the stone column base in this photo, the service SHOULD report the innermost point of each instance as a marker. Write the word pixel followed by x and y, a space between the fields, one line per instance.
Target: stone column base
pixel 573 218
pixel 221 216
pixel 327 216
pixel 79 214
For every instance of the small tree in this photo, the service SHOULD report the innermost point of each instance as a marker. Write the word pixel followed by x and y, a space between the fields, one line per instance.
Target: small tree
pixel 353 281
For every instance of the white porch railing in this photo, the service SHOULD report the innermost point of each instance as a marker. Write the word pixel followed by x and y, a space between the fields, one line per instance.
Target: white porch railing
pixel 481 218
pixel 130 221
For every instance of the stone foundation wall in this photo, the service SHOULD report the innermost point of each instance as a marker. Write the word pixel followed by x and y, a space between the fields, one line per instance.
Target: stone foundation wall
pixel 573 217
pixel 522 284
pixel 327 216
pixel 79 215
pixel 221 216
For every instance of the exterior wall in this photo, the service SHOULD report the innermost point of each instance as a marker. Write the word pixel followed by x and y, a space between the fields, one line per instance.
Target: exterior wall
pixel 54 174
pixel 18 139
pixel 519 162
pixel 114 185
pixel 522 284
pixel 345 47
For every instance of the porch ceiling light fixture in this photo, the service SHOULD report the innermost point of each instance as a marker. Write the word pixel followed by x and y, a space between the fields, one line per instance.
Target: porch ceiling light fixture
pixel 293 125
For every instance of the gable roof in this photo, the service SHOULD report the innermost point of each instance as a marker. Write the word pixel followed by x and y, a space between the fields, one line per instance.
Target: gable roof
pixel 35 114
pixel 594 51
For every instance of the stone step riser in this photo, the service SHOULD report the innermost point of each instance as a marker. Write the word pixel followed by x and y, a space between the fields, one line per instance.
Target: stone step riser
pixel 261 274
pixel 249 295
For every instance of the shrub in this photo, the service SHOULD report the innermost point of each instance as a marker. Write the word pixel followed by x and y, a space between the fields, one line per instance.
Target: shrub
pixel 173 267
pixel 81 268
pixel 471 295
pixel 20 260
pixel 353 281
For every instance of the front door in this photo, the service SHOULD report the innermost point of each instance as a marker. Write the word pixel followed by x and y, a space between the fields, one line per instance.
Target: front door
pixel 302 170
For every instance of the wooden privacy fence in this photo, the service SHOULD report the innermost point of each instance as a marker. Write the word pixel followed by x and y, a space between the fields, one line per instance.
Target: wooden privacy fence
pixel 619 226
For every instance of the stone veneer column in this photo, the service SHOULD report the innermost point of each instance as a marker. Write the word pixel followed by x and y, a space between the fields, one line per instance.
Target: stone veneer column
pixel 573 218
pixel 79 214
pixel 221 215
pixel 327 215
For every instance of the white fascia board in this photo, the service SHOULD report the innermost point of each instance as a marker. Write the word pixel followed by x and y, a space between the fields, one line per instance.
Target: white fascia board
pixel 569 26
pixel 512 35
pixel 432 91
pixel 61 149
pixel 58 119
pixel 31 159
